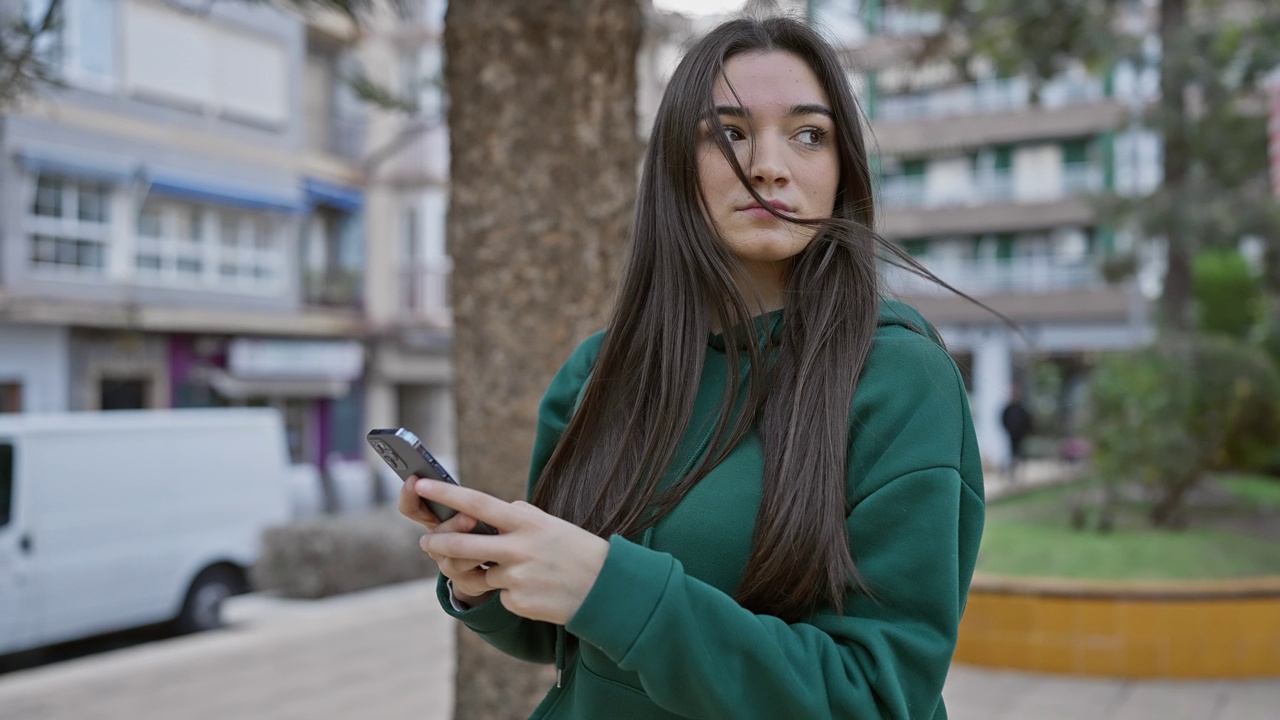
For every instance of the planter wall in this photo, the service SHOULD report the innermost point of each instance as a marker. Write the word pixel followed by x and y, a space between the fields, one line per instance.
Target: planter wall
pixel 1205 629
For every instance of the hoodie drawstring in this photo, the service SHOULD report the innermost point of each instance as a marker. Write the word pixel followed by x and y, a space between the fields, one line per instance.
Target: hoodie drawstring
pixel 560 632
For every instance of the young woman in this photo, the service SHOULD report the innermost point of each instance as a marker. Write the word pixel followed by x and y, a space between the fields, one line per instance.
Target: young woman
pixel 758 493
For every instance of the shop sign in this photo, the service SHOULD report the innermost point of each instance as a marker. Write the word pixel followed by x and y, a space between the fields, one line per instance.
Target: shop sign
pixel 270 358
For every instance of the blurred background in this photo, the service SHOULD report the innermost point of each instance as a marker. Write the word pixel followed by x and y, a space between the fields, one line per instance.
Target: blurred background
pixel 243 204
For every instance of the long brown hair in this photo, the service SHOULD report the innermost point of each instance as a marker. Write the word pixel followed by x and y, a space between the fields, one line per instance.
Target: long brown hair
pixel 605 473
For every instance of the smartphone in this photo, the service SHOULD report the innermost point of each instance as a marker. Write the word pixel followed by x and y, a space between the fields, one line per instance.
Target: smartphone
pixel 407 456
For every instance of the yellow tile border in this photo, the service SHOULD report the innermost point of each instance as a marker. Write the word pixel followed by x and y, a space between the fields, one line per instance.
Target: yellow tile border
pixel 1264 586
pixel 1139 629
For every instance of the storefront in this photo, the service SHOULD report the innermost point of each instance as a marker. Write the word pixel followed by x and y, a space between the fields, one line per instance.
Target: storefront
pixel 316 384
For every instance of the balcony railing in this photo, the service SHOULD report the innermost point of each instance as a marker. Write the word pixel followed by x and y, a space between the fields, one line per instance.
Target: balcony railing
pixel 1078 178
pixel 987 96
pixel 994 186
pixel 903 191
pixel 425 291
pixel 333 287
pixel 909 191
pixel 987 276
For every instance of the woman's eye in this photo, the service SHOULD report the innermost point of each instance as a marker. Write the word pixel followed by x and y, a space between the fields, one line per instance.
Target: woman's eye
pixel 733 134
pixel 811 136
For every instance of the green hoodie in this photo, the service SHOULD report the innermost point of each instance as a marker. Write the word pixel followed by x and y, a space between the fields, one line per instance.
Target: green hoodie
pixel 660 636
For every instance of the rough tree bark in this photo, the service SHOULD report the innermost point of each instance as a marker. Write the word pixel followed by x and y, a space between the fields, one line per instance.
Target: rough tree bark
pixel 544 151
pixel 1176 297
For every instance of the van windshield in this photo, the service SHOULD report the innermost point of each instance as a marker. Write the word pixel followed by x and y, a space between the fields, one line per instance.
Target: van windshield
pixel 6 482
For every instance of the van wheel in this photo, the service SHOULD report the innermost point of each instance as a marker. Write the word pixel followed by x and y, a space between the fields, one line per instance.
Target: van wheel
pixel 202 609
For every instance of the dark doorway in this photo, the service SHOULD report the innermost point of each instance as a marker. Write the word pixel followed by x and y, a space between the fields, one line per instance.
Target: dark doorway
pixel 124 393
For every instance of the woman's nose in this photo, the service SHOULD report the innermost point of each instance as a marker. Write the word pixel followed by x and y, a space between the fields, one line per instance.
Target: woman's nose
pixel 768 166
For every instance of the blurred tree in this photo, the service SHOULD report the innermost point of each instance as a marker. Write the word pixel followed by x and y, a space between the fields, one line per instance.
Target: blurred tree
pixel 26 64
pixel 544 153
pixel 1228 296
pixel 1210 115
pixel 1163 416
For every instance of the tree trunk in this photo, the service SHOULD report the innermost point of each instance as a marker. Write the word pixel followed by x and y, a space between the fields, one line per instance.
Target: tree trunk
pixel 1176 298
pixel 544 151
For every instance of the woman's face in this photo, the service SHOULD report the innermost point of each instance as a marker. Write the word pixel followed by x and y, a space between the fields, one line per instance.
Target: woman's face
pixel 781 127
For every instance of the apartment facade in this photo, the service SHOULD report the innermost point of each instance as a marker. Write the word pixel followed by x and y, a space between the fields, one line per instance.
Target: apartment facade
pixel 184 224
pixel 407 299
pixel 992 190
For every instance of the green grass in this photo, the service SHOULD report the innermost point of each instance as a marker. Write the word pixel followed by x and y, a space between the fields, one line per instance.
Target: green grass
pixel 1029 535
pixel 1259 492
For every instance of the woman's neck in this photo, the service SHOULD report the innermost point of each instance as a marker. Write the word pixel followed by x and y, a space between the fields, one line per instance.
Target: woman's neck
pixel 761 285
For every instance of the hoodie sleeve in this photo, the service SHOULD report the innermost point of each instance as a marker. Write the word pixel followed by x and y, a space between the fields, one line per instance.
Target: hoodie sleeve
pixel 531 640
pixel 917 510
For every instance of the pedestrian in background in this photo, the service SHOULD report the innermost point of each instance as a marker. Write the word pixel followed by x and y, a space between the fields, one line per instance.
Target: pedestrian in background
pixel 757 493
pixel 1016 419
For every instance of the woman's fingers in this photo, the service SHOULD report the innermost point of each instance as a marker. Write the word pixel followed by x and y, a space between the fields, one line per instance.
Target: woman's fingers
pixel 460 523
pixel 411 506
pixel 471 547
pixel 484 507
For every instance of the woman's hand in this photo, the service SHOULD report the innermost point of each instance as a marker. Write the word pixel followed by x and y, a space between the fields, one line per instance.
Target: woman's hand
pixel 469 586
pixel 544 566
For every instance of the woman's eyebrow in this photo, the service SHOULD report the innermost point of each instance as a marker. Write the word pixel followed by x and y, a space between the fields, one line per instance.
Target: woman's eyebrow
pixel 793 111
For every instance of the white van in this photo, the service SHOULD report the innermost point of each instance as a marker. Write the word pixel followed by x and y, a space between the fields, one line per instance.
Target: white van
pixel 120 519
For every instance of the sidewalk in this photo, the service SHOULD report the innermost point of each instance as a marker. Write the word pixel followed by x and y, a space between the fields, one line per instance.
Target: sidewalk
pixel 388 653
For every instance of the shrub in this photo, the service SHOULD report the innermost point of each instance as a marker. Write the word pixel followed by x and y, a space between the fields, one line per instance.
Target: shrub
pixel 1164 415
pixel 335 554
pixel 1228 296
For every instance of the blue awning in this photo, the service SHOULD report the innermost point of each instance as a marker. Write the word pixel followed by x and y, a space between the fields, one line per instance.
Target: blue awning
pixel 70 163
pixel 249 199
pixel 339 197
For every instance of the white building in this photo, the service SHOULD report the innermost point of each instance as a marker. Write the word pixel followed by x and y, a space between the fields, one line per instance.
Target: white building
pixel 207 215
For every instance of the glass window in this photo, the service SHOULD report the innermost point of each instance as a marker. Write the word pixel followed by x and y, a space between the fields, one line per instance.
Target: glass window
pixel 69 225
pixel 95 37
pixel 48 197
pixel 6 483
pixel 174 241
pixel 149 221
pixel 92 205
pixel 345 426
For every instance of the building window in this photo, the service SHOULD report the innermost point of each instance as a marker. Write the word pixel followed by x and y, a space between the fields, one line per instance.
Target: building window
pixel 83 43
pixel 10 397
pixel 250 252
pixel 333 258
pixel 69 225
pixel 176 246
pixel 426 263
pixel 171 243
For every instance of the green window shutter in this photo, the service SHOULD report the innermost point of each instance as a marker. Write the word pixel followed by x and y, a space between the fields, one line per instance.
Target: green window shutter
pixel 916 248
pixel 1075 151
pixel 871 96
pixel 1004 157
pixel 1004 246
pixel 1109 161
pixel 913 168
